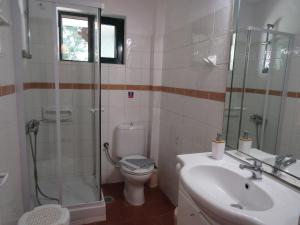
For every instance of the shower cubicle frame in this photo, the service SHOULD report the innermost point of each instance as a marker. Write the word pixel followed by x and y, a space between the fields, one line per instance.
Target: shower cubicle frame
pixel 85 212
pixel 249 31
pixel 57 97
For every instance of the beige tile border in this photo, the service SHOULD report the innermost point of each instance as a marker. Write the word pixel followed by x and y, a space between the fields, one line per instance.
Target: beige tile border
pixel 215 96
pixel 262 91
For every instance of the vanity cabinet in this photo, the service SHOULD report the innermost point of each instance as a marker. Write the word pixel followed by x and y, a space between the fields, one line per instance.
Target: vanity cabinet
pixel 189 213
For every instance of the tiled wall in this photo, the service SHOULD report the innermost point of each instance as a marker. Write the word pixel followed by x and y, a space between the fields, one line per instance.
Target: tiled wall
pixel 194 29
pixel 137 70
pixel 152 49
pixel 77 89
pixel 177 96
pixel 11 193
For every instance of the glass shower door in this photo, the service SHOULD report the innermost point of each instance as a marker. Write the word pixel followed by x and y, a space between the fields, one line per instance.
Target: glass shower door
pixel 234 86
pixel 264 87
pixel 40 106
pixel 62 101
pixel 79 97
pixel 257 87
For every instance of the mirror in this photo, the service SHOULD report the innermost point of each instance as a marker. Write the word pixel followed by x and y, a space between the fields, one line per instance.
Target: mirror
pixel 262 107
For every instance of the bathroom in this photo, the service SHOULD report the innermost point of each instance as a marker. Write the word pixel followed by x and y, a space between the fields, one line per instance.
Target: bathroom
pixel 149 112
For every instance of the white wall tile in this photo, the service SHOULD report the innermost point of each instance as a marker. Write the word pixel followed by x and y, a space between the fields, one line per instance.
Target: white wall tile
pixel 187 125
pixel 117 74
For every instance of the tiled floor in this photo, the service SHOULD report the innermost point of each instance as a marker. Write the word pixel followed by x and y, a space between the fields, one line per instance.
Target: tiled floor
pixel 157 210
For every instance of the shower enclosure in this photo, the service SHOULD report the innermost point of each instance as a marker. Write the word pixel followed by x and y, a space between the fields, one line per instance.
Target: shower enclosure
pixel 62 98
pixel 257 87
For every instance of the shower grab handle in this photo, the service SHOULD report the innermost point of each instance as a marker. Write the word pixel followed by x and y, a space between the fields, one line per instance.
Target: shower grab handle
pixel 93 110
pixel 49 114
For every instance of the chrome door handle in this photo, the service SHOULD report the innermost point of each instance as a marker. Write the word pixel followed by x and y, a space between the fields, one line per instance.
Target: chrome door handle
pixel 94 110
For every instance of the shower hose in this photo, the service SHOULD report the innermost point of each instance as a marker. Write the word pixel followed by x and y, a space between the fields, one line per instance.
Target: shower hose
pixel 257 136
pixel 38 190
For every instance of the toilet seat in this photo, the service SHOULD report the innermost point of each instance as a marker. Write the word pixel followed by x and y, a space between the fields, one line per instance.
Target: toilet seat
pixel 127 168
pixel 51 214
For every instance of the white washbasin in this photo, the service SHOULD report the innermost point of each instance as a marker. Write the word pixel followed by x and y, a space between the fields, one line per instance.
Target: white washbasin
pixel 230 196
pixel 228 188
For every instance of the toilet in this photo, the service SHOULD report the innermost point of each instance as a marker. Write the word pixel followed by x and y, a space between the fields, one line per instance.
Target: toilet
pixel 51 214
pixel 130 145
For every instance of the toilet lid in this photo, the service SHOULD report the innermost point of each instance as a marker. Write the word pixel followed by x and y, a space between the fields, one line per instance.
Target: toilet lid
pixel 127 167
pixel 51 214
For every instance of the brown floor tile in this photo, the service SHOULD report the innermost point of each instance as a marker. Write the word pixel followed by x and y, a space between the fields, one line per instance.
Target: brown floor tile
pixel 148 221
pixel 157 210
pixel 167 219
pixel 155 195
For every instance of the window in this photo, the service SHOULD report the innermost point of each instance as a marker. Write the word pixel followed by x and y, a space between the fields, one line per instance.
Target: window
pixel 112 40
pixel 76 37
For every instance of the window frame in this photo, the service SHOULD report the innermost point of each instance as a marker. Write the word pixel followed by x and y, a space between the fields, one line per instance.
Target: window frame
pixel 91 33
pixel 119 25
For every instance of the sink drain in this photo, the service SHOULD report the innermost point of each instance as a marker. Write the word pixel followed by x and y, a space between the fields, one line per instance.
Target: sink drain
pixel 238 206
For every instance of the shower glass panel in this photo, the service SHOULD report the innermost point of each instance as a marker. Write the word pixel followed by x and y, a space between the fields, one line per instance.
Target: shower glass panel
pixel 79 110
pixel 40 101
pixel 264 84
pixel 234 86
pixel 257 88
pixel 63 97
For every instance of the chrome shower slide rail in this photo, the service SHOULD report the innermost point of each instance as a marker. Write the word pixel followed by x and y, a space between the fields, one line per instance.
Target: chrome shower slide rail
pixel 26 53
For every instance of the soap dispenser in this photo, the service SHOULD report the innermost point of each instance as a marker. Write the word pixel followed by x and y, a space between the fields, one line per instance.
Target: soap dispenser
pixel 245 143
pixel 218 147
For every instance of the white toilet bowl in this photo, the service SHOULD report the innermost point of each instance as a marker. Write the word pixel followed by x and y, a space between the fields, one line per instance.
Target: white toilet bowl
pixel 135 180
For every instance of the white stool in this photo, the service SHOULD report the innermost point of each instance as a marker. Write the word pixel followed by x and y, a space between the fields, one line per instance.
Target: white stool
pixel 51 214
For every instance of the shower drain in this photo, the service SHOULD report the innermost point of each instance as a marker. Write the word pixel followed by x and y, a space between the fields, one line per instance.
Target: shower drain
pixel 108 199
pixel 238 206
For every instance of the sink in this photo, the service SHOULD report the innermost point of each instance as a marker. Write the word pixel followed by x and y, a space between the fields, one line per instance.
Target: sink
pixel 229 195
pixel 228 188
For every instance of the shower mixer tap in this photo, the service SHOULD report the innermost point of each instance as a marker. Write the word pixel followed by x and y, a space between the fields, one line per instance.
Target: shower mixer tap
pixel 32 126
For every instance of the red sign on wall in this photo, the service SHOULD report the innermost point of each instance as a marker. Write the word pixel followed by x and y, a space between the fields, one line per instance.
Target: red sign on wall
pixel 130 94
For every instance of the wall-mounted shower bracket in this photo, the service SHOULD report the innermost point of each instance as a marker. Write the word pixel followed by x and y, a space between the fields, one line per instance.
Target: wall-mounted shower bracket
pixel 3 178
pixel 210 60
pixel 3 21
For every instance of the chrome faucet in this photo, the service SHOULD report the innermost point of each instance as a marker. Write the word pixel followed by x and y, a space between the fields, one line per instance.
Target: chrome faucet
pixel 256 169
pixel 282 162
